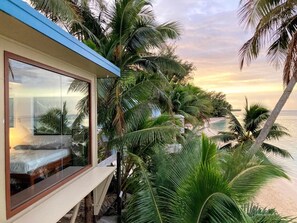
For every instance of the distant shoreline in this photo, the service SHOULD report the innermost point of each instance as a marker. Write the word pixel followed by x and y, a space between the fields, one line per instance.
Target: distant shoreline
pixel 214 120
pixel 207 130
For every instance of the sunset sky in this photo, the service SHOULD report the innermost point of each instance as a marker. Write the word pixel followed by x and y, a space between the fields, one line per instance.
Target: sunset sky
pixel 211 38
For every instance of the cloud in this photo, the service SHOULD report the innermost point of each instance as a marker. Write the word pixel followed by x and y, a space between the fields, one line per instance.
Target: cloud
pixel 211 39
pixel 184 10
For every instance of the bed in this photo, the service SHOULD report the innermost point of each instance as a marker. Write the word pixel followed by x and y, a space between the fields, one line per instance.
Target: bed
pixel 27 165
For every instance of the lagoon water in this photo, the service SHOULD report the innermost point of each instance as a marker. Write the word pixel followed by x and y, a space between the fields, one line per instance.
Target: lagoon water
pixel 289 120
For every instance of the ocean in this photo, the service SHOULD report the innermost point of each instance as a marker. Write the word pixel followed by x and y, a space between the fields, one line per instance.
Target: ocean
pixel 288 119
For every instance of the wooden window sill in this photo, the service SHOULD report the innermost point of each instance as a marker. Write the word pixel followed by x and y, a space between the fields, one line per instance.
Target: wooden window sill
pixel 40 187
pixel 54 206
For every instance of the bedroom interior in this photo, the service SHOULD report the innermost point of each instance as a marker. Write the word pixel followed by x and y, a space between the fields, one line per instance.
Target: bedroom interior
pixel 48 128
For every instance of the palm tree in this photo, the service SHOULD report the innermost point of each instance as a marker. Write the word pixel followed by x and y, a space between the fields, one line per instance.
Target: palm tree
pixel 176 75
pixel 260 215
pixel 126 33
pixel 53 122
pixel 200 184
pixel 144 137
pixel 131 33
pixel 75 16
pixel 253 118
pixel 57 10
pixel 219 103
pixel 274 25
pixel 191 102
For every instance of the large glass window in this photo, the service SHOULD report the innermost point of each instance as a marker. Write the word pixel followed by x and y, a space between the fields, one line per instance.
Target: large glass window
pixel 49 138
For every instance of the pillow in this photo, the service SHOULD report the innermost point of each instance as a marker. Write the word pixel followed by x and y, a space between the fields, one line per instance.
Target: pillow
pixel 23 147
pixel 49 146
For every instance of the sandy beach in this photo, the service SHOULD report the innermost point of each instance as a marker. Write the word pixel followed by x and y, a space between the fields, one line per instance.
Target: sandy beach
pixel 280 194
pixel 209 132
pixel 216 119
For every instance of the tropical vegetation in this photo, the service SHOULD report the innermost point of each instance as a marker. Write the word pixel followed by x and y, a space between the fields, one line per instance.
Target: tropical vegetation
pixel 273 24
pixel 258 214
pixel 254 117
pixel 136 116
pixel 190 102
pixel 54 121
pixel 199 184
pixel 220 105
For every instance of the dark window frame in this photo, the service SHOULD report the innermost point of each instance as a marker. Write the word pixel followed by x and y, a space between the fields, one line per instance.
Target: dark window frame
pixel 8 55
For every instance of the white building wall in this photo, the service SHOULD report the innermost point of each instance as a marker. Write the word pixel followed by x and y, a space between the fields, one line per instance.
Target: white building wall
pixel 2 144
pixel 24 51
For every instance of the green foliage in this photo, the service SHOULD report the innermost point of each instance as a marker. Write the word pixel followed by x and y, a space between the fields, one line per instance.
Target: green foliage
pixel 173 74
pixel 253 121
pixel 54 121
pixel 205 197
pixel 145 204
pixel 75 16
pixel 200 184
pixel 131 35
pixel 191 102
pixel 219 103
pixel 274 26
pixel 240 167
pixel 265 215
pixel 145 136
pixel 56 9
pixel 147 132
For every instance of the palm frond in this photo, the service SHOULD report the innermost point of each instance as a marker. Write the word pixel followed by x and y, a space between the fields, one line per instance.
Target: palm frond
pixel 57 8
pixel 53 121
pixel 276 150
pixel 163 64
pixel 290 63
pixel 226 146
pixel 158 130
pixel 266 17
pixel 277 52
pixel 254 117
pixel 260 215
pixel 145 205
pixel 169 30
pixel 208 150
pixel 195 151
pixel 247 174
pixel 225 136
pixel 234 125
pixel 249 51
pixel 205 197
pixel 277 131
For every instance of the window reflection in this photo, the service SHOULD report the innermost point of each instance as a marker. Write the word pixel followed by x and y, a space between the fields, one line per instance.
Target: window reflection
pixel 49 130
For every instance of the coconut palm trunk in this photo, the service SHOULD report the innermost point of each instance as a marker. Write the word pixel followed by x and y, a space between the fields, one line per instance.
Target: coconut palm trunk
pixel 289 79
pixel 273 21
pixel 274 114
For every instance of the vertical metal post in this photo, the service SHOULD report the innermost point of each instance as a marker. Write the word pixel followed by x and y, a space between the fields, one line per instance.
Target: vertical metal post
pixel 119 192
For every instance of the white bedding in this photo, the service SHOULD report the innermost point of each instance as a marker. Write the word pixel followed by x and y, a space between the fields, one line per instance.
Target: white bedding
pixel 26 161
